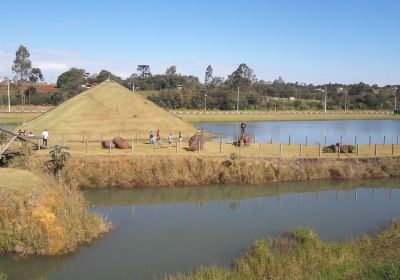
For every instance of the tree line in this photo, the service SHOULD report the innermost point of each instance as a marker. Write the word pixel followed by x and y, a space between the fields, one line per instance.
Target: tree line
pixel 173 90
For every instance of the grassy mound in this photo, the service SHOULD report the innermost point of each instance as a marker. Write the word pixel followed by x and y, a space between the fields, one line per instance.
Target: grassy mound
pixel 301 255
pixel 110 109
pixel 40 217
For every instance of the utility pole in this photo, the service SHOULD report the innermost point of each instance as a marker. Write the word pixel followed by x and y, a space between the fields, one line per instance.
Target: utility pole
pixel 237 105
pixel 325 91
pixel 205 101
pixel 133 87
pixel 345 101
pixel 395 98
pixel 8 93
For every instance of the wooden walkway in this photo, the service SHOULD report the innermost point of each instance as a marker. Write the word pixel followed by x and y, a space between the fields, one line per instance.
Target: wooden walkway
pixel 5 151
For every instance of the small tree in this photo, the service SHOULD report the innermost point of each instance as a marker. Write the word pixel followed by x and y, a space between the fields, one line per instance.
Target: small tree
pixel 59 158
pixel 144 71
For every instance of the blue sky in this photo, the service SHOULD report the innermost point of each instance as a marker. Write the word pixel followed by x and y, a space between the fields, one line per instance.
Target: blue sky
pixel 307 41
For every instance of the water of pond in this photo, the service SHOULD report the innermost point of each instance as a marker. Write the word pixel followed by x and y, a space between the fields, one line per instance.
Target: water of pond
pixel 314 130
pixel 159 232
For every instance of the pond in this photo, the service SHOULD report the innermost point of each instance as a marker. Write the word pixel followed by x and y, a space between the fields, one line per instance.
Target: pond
pixel 314 130
pixel 158 232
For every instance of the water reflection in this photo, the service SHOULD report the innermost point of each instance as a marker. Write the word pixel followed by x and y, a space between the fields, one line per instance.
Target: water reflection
pixel 166 231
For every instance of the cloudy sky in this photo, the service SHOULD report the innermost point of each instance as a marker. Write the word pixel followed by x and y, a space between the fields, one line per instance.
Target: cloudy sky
pixel 308 41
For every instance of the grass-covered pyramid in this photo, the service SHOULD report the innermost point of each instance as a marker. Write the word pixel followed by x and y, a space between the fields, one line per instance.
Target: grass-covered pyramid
pixel 108 109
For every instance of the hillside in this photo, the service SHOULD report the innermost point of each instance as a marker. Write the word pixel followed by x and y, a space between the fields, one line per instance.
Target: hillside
pixel 108 109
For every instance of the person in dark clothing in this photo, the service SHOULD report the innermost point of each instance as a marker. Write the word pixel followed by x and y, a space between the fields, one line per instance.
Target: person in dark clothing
pixel 242 128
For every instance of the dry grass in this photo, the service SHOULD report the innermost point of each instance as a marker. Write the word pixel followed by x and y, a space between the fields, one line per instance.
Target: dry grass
pixel 174 171
pixel 110 109
pixel 301 255
pixel 40 217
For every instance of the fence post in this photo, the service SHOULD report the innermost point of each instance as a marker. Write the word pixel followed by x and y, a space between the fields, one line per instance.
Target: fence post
pixel 325 140
pixel 271 140
pixel 384 140
pixel 255 138
pixel 341 139
pixel 259 151
pixel 306 140
pixel 301 150
pixel 220 147
pixel 376 151
pixel 280 150
pixel 392 149
pixel 358 150
pixel 355 140
pixel 370 140
pixel 397 139
pixel 290 139
pixel 132 147
pixel 86 146
pixel 319 150
pixel 109 147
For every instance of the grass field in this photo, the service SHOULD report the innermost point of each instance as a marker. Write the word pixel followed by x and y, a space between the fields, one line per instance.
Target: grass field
pixel 17 118
pixel 40 217
pixel 93 147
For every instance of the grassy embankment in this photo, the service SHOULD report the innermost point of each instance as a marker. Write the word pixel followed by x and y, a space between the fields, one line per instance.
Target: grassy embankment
pixel 40 217
pixel 301 255
pixel 171 171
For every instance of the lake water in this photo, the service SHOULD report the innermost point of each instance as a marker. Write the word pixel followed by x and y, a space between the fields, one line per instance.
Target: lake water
pixel 166 231
pixel 314 130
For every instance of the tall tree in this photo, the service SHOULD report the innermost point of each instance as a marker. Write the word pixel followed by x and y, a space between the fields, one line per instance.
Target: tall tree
pixel 22 67
pixel 171 71
pixel 144 71
pixel 208 76
pixel 242 76
pixel 70 82
pixel 34 76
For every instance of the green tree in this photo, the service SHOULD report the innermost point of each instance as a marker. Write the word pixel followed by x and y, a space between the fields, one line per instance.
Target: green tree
pixel 144 71
pixel 208 76
pixel 22 67
pixel 171 71
pixel 242 76
pixel 70 82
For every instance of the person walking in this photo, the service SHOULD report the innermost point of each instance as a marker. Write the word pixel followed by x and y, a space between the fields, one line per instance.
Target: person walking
pixel 151 137
pixel 45 137
pixel 180 137
pixel 170 139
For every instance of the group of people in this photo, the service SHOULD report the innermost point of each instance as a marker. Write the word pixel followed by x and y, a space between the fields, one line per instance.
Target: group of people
pixel 155 138
pixel 45 135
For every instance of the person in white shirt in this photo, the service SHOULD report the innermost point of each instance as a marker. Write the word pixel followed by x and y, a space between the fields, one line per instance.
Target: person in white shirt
pixel 45 137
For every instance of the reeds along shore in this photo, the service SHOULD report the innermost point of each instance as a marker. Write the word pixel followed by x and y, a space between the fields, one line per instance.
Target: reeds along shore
pixel 38 216
pixel 301 255
pixel 170 171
